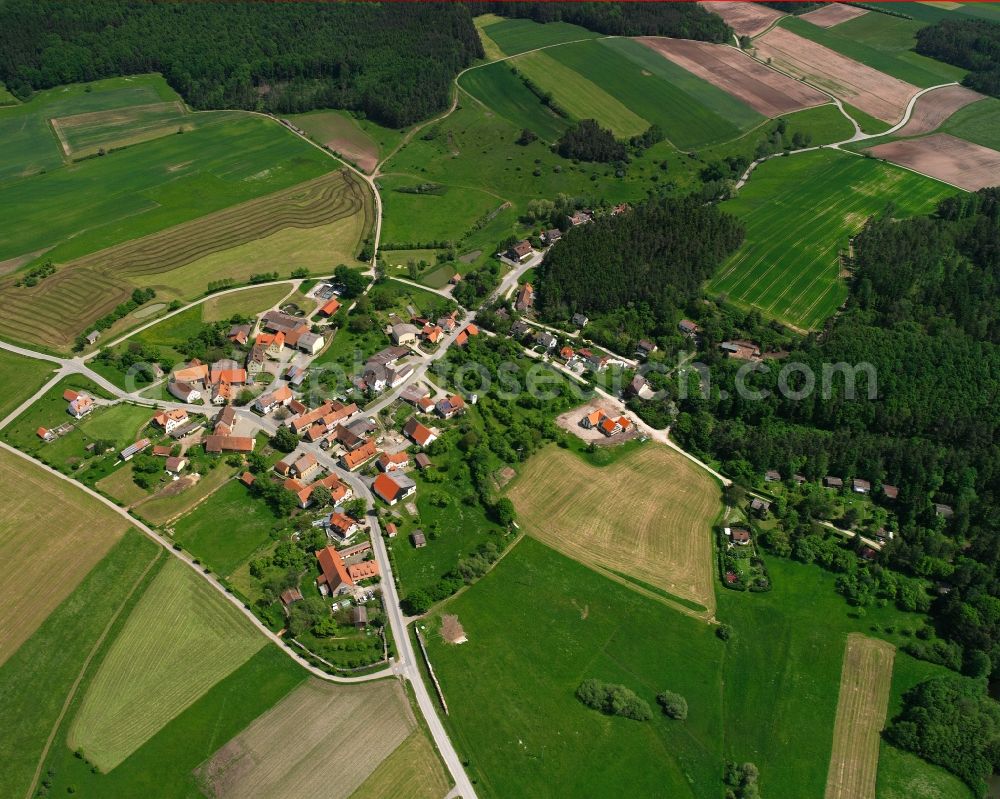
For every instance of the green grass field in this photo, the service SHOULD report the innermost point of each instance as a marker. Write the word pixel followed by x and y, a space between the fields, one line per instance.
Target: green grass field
pixel 361 141
pixel 22 377
pixel 179 641
pixel 515 36
pixel 90 133
pixel 30 144
pixel 420 218
pixel 539 624
pixel 226 529
pixel 799 213
pixel 163 767
pixel 882 42
pixel 501 91
pixel 35 680
pixel 978 123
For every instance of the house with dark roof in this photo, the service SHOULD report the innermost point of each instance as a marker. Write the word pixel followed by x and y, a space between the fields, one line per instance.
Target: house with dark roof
pixel 520 252
pixel 859 486
pixel 579 319
pixel 833 482
pixel 890 492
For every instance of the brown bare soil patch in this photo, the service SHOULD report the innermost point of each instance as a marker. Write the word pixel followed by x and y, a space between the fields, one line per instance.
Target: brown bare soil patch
pixel 861 709
pixel 746 19
pixel 831 14
pixel 51 535
pixel 935 107
pixel 764 90
pixel 364 158
pixel 13 264
pixel 648 515
pixel 320 740
pixel 452 630
pixel 964 164
pixel 874 92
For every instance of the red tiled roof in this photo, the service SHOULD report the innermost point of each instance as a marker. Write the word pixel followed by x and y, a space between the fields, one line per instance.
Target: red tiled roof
pixel 362 571
pixel 332 565
pixel 330 308
pixel 352 460
pixel 387 488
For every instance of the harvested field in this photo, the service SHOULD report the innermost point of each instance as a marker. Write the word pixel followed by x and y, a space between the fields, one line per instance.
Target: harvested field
pixel 935 107
pixel 85 289
pixel 648 516
pixel 831 14
pixel 179 641
pixel 85 134
pixel 746 19
pixel 964 164
pixel 321 740
pixel 865 683
pixel 341 134
pixel 413 771
pixel 874 92
pixel 51 535
pixel 766 91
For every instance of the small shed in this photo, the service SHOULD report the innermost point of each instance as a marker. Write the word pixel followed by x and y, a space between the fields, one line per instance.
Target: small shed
pixel 359 617
pixel 422 461
pixel 290 596
pixel 419 539
pixel 833 482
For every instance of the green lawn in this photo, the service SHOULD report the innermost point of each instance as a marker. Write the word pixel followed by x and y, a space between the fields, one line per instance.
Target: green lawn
pixel 824 124
pixel 978 123
pixel 22 377
pixel 163 767
pixel 227 528
pixel 181 638
pixel 519 35
pixel 504 93
pixel 882 42
pixel 539 624
pixel 799 212
pixel 129 193
pixel 443 215
pixel 36 679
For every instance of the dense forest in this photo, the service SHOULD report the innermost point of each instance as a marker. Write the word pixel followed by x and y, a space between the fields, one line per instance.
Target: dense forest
pixel 588 141
pixel 679 20
pixel 393 62
pixel 922 314
pixel 657 255
pixel 973 44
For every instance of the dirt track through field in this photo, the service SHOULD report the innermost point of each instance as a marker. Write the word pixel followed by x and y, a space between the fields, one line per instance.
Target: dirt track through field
pixel 956 161
pixel 935 107
pixel 746 19
pixel 861 710
pixel 648 515
pixel 764 90
pixel 320 740
pixel 874 92
pixel 831 14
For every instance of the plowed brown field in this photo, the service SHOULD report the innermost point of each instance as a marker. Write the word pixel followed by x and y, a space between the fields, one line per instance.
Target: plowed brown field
pixel 956 161
pixel 935 107
pixel 746 19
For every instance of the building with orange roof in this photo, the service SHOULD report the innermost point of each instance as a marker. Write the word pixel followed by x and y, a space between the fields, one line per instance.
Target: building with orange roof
pixel 45 434
pixel 341 525
pixel 393 488
pixel 331 307
pixel 364 570
pixel 334 578
pixel 390 463
pixel 170 420
pixel 266 403
pixel 303 493
pixel 69 395
pixel 194 372
pixel 525 298
pixel 218 444
pixel 566 353
pixel 610 426
pixel 593 419
pixel 339 492
pixel 247 478
pixel 419 434
pixel 80 405
pixel 352 460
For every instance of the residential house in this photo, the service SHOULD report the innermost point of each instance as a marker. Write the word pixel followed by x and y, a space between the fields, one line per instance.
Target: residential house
pixel 185 392
pixel 519 329
pixel 890 492
pixel 390 463
pixel 644 348
pixel 365 570
pixel 227 371
pixel 419 539
pixel 463 337
pixel 772 476
pixel 256 360
pixel 218 444
pixel 413 394
pixel 520 252
pixel 449 406
pixel 833 482
pixel 566 353
pixel 305 466
pixel 303 493
pixel 284 466
pixel 170 420
pixel 945 511
pixel 195 373
pixel 225 422
pixel 636 386
pixel 422 461
pixel 330 308
pixel 80 404
pixel 859 486
pixel 296 376
pixel 579 320
pixel 426 405
pixel 738 536
pixel 175 465
pixel 550 237
pixel 352 460
pixel 688 328
pixel 339 492
pixel 240 334
pixel 525 298
pixel 593 419
pixel 310 343
pixel 546 340
pixel 340 525
pixel 760 506
pixel 580 218
pixel 266 403
pixel 273 343
pixel 741 350
pixel 419 434
pixel 799 479
pixel 455 279
pixel 334 578
pixel 134 449
pixel 391 488
pixel 347 438
pixel 431 333
pixel 404 333
pixel 222 393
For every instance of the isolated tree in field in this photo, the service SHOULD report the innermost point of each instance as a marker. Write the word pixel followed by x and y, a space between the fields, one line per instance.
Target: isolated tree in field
pixel 674 705
pixel 613 700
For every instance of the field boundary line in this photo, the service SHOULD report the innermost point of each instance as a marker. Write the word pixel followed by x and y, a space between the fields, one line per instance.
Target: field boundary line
pixel 71 694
